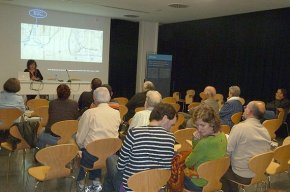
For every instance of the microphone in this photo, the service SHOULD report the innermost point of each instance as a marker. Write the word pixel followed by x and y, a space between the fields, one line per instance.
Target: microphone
pixel 69 80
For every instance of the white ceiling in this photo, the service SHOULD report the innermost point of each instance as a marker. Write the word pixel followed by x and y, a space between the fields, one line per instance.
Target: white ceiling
pixel 154 10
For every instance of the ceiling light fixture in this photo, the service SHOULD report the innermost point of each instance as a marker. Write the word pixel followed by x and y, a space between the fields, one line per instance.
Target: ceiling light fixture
pixel 177 5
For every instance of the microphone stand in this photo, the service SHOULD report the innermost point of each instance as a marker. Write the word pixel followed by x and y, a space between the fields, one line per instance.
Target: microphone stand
pixel 69 80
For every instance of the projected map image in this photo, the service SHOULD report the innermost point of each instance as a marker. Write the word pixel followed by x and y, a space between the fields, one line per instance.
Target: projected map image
pixel 44 42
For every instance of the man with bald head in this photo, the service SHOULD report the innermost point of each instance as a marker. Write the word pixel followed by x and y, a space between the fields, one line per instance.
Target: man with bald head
pixel 246 139
pixel 210 93
pixel 138 100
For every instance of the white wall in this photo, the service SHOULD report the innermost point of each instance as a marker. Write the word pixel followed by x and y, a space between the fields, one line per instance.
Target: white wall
pixel 11 18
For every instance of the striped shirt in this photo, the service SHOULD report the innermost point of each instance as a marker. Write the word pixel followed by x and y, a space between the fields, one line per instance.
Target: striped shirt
pixel 145 148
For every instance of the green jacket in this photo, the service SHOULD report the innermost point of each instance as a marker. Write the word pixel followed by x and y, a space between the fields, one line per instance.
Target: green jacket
pixel 203 150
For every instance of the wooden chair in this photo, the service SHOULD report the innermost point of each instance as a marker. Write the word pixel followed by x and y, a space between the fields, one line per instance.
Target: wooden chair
pixel 179 121
pixel 203 96
pixel 188 99
pixel 123 111
pixel 137 109
pixel 176 95
pixel 169 100
pixel 151 180
pixel 65 129
pixel 54 160
pixel 35 103
pixel 286 141
pixel 280 161
pixel 220 99
pixel 176 106
pixel 242 100
pixel 41 112
pixel 236 118
pixel 212 171
pixel 102 149
pixel 272 125
pixel 8 116
pixel 121 100
pixel 190 92
pixel 282 118
pixel 22 145
pixel 258 164
pixel 193 104
pixel 181 136
pixel 225 128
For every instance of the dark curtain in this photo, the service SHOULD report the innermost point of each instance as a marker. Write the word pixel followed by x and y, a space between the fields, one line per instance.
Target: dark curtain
pixel 123 57
pixel 250 50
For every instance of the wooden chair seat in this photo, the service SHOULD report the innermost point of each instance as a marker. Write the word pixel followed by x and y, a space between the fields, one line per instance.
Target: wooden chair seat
pixel 181 136
pixel 8 116
pixel 39 172
pixel 236 118
pixel 35 103
pixel 65 129
pixel 121 100
pixel 180 120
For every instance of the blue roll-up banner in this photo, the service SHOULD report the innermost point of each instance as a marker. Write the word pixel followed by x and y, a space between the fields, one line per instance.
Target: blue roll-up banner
pixel 159 72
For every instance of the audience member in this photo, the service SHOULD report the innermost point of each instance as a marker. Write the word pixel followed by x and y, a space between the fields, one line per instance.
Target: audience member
pixel 147 147
pixel 208 143
pixel 9 97
pixel 210 93
pixel 280 102
pixel 114 104
pixel 59 109
pixel 34 73
pixel 246 139
pixel 141 118
pixel 138 100
pixel 96 123
pixel 86 98
pixel 231 106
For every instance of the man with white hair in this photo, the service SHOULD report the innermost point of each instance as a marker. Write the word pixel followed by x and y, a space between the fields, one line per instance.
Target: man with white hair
pixel 141 118
pixel 247 139
pixel 96 123
pixel 231 106
pixel 138 100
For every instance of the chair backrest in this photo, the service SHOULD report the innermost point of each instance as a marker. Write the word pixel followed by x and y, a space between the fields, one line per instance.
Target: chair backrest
pixel 181 136
pixel 258 164
pixel 286 141
pixel 169 100
pixel 56 158
pixel 8 116
pixel 193 104
pixel 176 95
pixel 282 156
pixel 272 125
pixel 281 116
pixel 203 96
pixel 121 100
pixel 242 100
pixel 236 118
pixel 15 133
pixel 190 92
pixel 149 180
pixel 65 129
pixel 188 98
pixel 41 112
pixel 102 149
pixel 180 120
pixel 137 109
pixel 123 111
pixel 176 106
pixel 212 171
pixel 225 128
pixel 35 103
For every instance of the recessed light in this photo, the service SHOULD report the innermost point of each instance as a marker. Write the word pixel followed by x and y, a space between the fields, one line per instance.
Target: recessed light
pixel 131 16
pixel 178 5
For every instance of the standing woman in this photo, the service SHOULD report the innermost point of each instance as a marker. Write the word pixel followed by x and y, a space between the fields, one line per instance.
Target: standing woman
pixel 34 73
